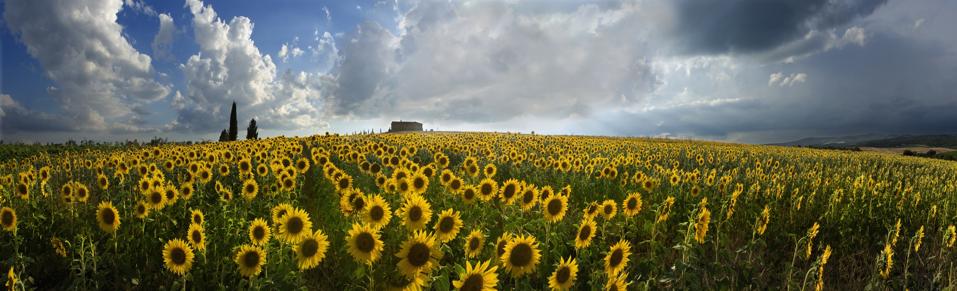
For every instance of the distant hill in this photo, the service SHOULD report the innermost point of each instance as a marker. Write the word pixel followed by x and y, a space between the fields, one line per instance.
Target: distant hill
pixel 835 141
pixel 939 140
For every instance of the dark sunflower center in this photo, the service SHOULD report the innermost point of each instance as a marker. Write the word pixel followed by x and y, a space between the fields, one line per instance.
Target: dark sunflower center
pixel 259 232
pixel 107 216
pixel 251 259
pixel 22 188
pixel 563 275
pixel 584 233
pixel 309 248
pixel 446 224
pixel 500 248
pixel 156 198
pixel 528 197
pixel 197 219
pixel 456 184
pixel 287 183
pixel 592 209
pixel 140 209
pixel 7 218
pixel 418 183
pixel 474 282
pixel 170 195
pixel 419 254
pixel 608 209
pixel 365 242
pixel 343 183
pixel 469 194
pixel 197 236
pixel 521 255
pixel 358 203
pixel 178 256
pixel 473 243
pixel 554 206
pixel 509 191
pixel 616 258
pixel 632 203
pixel 250 188
pixel 486 189
pixel 294 225
pixel 376 213
pixel 415 213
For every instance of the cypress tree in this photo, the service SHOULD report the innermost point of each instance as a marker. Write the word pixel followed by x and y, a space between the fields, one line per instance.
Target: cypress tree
pixel 233 127
pixel 252 132
pixel 224 136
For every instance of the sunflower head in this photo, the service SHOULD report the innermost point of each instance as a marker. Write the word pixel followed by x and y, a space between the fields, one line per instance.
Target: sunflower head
pixel 142 209
pixel 564 276
pixel 419 254
pixel 416 212
pixel 259 232
pixel 294 226
pixel 529 197
pixel 177 256
pixel 474 243
pixel 279 211
pixel 311 250
pixel 250 260
pixel 250 189
pixel 364 244
pixel 555 207
pixel 196 235
pixel 378 213
pixel 632 205
pixel 196 216
pixel 586 231
pixel 481 276
pixel 448 225
pixel 521 256
pixel 107 218
pixel 8 219
pixel 609 209
pixel 487 189
pixel 617 258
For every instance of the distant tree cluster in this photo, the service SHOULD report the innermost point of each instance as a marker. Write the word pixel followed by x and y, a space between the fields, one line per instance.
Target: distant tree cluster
pixel 230 134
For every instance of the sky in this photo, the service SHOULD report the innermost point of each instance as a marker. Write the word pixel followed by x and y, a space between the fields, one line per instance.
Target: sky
pixel 750 71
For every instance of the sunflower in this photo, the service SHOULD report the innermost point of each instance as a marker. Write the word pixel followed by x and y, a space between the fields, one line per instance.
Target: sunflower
pixel 156 199
pixel 102 181
pixel 468 194
pixel 448 225
pixel 186 190
pixel 82 193
pixel 420 183
pixel 446 177
pixel 521 256
pixel 279 211
pixel 415 212
pixel 586 231
pixel 177 256
pixel 478 277
pixel 259 232
pixel 418 254
pixel 8 219
pixel 509 191
pixel 378 213
pixel 489 170
pixel 617 258
pixel 501 243
pixel 617 283
pixel 592 210
pixel 455 186
pixel 344 183
pixel 487 189
pixel 250 259
pixel 196 236
pixel 474 243
pixel 250 189
pixel 609 209
pixel 529 198
pixel 107 217
pixel 142 209
pixel 171 193
pixel 364 244
pixel 196 216
pixel 294 226
pixel 555 207
pixel 23 190
pixel 564 276
pixel 632 205
pixel 311 250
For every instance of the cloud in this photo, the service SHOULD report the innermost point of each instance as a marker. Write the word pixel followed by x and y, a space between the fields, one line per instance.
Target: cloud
pixel 229 67
pixel 749 26
pixel 492 61
pixel 163 40
pixel 140 6
pixel 99 76
pixel 781 80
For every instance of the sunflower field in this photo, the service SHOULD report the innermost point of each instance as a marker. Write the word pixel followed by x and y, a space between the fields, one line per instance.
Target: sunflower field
pixel 476 211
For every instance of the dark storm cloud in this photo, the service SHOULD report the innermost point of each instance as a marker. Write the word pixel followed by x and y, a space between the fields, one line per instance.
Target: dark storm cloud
pixel 745 26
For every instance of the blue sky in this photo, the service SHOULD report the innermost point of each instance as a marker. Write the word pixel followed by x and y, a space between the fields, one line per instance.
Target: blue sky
pixel 742 70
